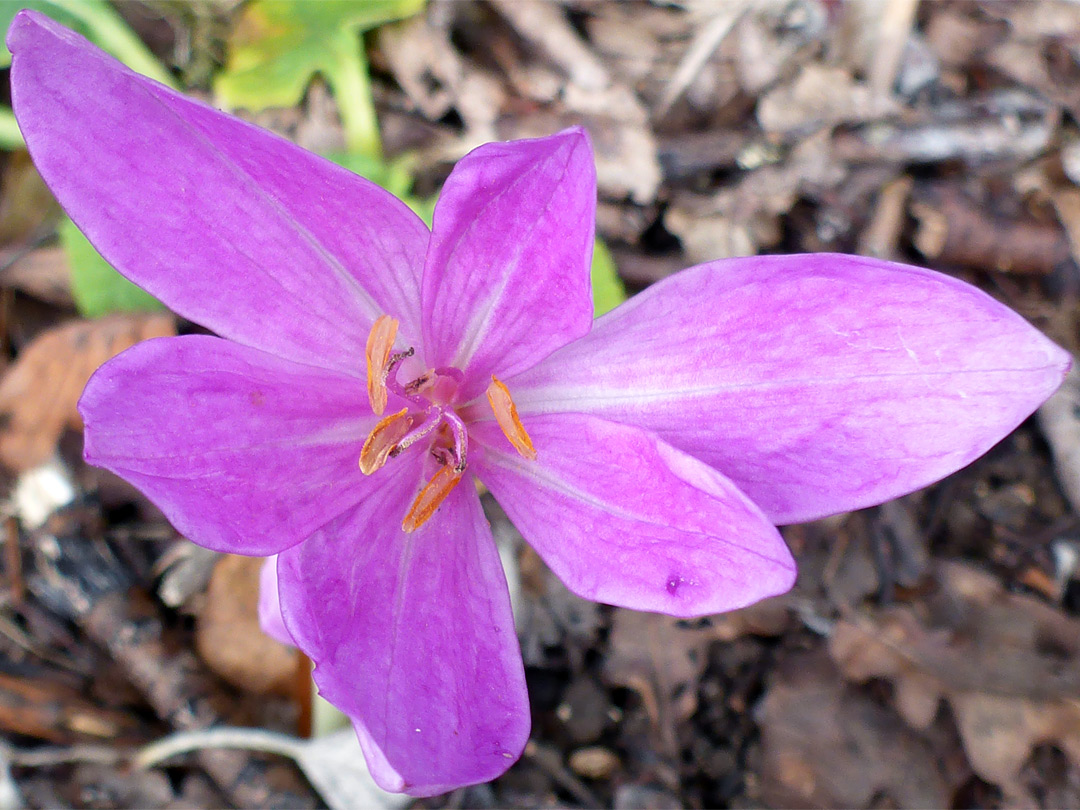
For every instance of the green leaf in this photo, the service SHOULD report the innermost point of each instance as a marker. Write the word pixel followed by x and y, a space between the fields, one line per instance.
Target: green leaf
pixel 96 287
pixel 607 288
pixel 393 175
pixel 277 47
pixel 10 137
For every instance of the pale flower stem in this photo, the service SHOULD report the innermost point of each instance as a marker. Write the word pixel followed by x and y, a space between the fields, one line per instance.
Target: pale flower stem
pixel 352 92
pixel 249 739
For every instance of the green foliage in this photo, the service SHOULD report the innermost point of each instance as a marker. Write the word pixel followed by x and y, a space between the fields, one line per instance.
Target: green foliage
pixel 393 175
pixel 96 287
pixel 607 288
pixel 277 47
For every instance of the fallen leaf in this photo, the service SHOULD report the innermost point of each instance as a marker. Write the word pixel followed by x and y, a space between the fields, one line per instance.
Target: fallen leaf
pixel 228 637
pixel 1059 418
pixel 662 659
pixel 821 96
pixel 424 63
pixel 39 392
pixel 44 273
pixel 827 745
pixel 26 204
pixel 1007 663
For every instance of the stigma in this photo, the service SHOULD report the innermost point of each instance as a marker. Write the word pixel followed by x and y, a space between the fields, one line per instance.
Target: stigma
pixel 429 420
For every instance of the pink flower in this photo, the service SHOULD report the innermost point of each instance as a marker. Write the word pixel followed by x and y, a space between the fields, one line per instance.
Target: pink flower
pixel 645 457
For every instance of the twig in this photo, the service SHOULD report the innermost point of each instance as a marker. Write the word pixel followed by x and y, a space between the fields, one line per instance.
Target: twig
pixel 956 232
pixel 47 757
pixel 13 562
pixel 550 762
pixel 545 25
pixel 707 40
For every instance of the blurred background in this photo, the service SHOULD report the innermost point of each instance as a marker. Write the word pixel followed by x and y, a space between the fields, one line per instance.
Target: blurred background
pixel 928 656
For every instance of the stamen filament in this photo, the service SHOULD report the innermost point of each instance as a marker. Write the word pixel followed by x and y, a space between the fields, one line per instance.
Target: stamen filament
pixel 431 421
pixel 382 440
pixel 430 497
pixel 461 438
pixel 380 343
pixel 507 416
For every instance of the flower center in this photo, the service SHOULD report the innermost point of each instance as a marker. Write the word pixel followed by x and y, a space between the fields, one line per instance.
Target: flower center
pixel 430 416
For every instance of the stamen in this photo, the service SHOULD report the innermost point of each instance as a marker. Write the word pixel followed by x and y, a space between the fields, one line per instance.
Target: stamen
pixel 507 417
pixel 430 497
pixel 380 343
pixel 382 440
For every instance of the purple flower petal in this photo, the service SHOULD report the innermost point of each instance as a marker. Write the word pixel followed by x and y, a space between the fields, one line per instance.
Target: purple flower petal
pixel 507 275
pixel 270 603
pixel 244 452
pixel 229 225
pixel 817 383
pixel 412 635
pixel 625 519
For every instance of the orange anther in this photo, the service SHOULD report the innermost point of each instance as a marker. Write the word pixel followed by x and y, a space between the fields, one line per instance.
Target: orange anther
pixel 383 439
pixel 507 417
pixel 380 343
pixel 433 494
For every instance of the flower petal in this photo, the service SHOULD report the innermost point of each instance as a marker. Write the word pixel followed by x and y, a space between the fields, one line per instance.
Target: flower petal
pixel 818 383
pixel 506 280
pixel 412 635
pixel 244 452
pixel 270 603
pixel 229 225
pixel 625 519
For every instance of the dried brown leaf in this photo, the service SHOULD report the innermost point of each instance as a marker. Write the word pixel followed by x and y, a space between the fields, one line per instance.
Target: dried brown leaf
pixel 545 25
pixel 820 96
pixel 425 64
pixel 26 204
pixel 39 392
pixel 663 658
pixel 1008 664
pixel 826 745
pixel 44 273
pixel 1059 418
pixel 999 732
pixel 955 36
pixel 228 636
